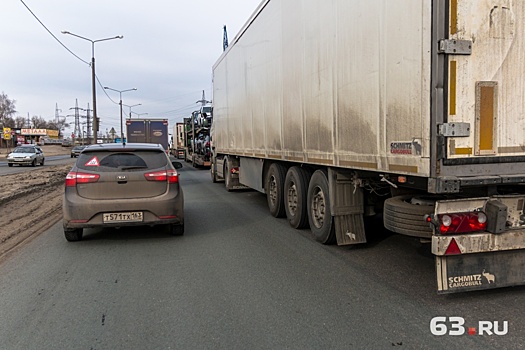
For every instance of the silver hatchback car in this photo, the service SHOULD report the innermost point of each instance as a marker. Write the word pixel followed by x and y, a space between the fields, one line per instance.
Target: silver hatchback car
pixel 26 155
pixel 116 185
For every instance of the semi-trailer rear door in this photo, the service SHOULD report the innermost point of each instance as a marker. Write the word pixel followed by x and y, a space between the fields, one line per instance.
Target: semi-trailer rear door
pixel 486 88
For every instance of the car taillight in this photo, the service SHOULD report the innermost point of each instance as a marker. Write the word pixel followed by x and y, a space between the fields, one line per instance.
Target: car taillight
pixel 462 222
pixel 170 176
pixel 74 178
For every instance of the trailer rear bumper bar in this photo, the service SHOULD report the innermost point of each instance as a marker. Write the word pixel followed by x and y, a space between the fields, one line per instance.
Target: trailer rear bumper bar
pixel 480 242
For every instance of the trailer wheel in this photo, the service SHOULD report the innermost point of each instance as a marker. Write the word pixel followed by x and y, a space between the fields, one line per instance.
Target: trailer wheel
pixel 295 195
pixel 213 172
pixel 319 214
pixel 405 215
pixel 274 188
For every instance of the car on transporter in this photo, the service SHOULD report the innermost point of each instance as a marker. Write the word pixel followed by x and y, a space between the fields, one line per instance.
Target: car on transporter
pixel 119 185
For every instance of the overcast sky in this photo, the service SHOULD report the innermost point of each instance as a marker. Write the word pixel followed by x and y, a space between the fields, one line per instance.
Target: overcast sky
pixel 167 53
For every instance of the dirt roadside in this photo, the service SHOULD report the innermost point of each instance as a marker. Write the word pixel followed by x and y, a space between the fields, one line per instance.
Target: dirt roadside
pixel 31 201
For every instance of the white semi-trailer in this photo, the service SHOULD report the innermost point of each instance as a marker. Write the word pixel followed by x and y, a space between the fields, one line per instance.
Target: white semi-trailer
pixel 410 108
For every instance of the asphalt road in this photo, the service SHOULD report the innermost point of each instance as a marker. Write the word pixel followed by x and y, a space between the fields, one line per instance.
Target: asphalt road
pixel 237 279
pixel 50 160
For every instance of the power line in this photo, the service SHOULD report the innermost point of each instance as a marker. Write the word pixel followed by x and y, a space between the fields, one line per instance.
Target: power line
pixel 105 92
pixel 43 25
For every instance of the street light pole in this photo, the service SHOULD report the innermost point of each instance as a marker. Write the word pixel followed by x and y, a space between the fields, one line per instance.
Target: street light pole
pixel 120 104
pixel 139 104
pixel 93 86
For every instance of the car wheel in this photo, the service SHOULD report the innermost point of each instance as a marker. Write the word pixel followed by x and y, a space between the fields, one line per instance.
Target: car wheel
pixel 177 230
pixel 42 162
pixel 10 164
pixel 73 235
pixel 72 156
pixel 33 163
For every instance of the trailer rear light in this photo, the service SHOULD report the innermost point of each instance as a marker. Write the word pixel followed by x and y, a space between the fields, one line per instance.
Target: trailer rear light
pixel 234 170
pixel 169 176
pixel 462 222
pixel 74 178
pixel 453 248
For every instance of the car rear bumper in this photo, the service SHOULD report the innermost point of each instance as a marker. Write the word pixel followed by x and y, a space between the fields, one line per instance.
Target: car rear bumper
pixel 79 212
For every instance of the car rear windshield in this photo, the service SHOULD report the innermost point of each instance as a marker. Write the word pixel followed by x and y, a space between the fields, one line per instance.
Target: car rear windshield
pixel 130 161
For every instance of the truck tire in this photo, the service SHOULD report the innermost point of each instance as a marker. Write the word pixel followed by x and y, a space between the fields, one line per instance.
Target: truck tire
pixel 73 235
pixel 406 215
pixel 227 175
pixel 295 195
pixel 319 213
pixel 274 188
pixel 213 172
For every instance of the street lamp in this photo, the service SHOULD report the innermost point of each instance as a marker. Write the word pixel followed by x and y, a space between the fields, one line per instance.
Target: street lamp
pixel 120 103
pixel 95 118
pixel 139 114
pixel 139 104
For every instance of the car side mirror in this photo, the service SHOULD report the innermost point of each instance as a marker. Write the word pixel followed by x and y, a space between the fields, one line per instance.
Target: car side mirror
pixel 176 165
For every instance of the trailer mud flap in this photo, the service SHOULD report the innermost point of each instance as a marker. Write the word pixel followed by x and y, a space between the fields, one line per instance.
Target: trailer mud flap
pixel 467 272
pixel 347 207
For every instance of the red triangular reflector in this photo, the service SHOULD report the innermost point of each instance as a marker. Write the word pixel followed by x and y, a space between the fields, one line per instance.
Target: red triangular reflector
pixel 93 162
pixel 453 248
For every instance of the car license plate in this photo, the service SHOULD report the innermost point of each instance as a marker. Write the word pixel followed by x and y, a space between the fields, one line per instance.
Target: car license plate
pixel 134 216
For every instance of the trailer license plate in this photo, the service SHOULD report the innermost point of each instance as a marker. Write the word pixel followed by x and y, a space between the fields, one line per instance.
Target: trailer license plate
pixel 134 216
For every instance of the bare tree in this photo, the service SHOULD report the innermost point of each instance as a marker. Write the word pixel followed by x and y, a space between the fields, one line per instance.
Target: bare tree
pixel 20 122
pixel 8 122
pixel 7 109
pixel 60 125
pixel 38 122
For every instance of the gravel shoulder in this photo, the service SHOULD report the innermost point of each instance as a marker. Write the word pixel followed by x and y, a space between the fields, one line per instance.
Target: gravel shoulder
pixel 31 201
